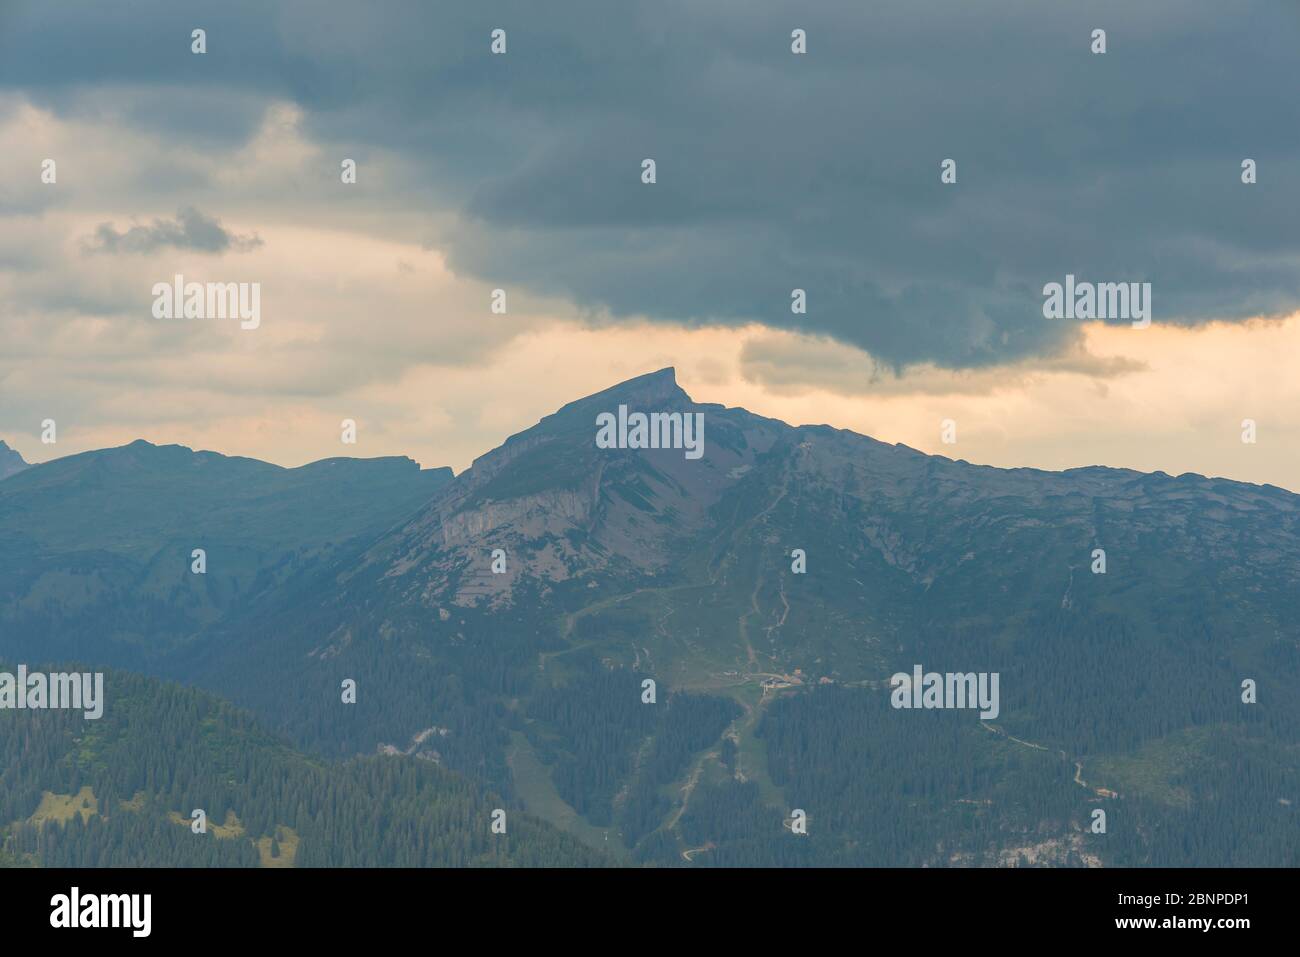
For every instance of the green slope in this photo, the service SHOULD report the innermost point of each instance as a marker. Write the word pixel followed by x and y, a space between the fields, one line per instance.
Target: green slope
pixel 119 791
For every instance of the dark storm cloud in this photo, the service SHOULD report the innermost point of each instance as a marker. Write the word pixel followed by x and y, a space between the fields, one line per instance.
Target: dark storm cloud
pixel 775 171
pixel 191 229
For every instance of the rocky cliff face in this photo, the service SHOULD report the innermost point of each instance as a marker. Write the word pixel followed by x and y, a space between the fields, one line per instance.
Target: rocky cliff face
pixel 564 510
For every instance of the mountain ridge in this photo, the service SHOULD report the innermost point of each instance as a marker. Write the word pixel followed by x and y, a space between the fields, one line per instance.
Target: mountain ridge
pixel 140 446
pixel 649 387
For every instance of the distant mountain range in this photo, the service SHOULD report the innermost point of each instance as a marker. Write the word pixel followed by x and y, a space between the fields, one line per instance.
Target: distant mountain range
pixel 96 549
pixel 502 623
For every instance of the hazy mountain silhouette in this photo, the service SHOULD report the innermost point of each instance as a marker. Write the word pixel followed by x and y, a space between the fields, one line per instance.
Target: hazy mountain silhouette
pixel 11 463
pixel 96 549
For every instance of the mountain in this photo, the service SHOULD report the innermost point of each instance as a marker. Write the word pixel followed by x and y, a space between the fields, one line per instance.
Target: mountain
pixel 645 563
pixel 97 549
pixel 11 463
pixel 77 793
pixel 769 588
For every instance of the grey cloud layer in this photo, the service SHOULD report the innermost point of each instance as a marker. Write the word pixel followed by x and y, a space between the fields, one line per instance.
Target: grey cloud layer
pixel 775 171
pixel 191 229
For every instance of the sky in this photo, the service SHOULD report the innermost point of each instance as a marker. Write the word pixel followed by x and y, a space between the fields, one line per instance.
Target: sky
pixel 774 171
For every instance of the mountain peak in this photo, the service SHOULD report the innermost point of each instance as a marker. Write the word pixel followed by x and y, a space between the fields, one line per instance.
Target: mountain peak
pixel 660 379
pixel 666 374
pixel 651 390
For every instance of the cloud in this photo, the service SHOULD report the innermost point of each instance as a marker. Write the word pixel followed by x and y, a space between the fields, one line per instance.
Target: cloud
pixel 775 171
pixel 190 229
pixel 786 363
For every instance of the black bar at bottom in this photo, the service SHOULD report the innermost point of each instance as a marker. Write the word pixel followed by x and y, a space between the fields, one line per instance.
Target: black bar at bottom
pixel 504 906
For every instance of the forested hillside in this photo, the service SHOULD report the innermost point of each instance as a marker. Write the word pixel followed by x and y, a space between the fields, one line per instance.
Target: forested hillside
pixel 120 791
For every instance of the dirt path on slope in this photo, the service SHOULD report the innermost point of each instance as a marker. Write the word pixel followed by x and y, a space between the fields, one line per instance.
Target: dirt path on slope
pixel 1078 765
